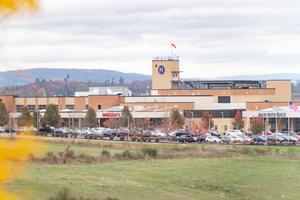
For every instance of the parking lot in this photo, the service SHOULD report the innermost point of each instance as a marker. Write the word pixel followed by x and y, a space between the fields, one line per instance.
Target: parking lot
pixel 155 136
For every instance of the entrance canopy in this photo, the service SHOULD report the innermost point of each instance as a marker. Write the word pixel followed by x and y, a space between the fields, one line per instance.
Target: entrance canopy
pixel 275 112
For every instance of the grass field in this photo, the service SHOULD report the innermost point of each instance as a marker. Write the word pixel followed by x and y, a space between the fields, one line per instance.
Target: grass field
pixel 238 177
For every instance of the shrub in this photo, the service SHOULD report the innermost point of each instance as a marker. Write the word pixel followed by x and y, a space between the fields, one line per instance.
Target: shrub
pixel 148 151
pixel 86 158
pixel 70 154
pixel 51 158
pixel 127 155
pixel 118 156
pixel 105 153
pixel 245 150
pixel 65 194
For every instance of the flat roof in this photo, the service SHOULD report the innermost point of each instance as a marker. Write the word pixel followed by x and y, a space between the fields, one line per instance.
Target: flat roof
pixel 219 81
pixel 228 80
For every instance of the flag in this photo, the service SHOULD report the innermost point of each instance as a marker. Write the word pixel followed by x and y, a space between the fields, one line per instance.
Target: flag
pixel 173 45
pixel 293 106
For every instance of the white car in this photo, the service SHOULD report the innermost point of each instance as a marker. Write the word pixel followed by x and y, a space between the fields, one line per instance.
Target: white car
pixel 213 139
pixel 237 139
pixel 2 129
pixel 86 131
pixel 158 133
pixel 233 132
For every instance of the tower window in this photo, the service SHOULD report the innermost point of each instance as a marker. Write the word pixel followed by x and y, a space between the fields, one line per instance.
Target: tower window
pixel 31 108
pixel 70 107
pixel 19 108
pixel 224 99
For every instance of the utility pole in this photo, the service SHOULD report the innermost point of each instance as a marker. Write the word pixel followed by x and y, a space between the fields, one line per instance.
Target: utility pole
pixel 222 113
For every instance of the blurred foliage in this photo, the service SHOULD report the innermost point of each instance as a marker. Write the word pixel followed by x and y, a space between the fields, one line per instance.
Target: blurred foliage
pixel 17 5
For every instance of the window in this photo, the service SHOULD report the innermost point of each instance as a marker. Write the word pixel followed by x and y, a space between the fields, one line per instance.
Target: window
pixel 42 107
pixel 99 107
pixel 214 113
pixel 19 108
pixel 70 107
pixel 224 99
pixel 31 108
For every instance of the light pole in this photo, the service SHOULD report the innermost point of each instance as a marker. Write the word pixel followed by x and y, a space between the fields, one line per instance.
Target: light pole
pixel 128 121
pixel 192 121
pixel 222 113
pixel 209 123
pixel 37 119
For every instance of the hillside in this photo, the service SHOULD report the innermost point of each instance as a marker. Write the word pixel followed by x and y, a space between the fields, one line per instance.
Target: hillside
pixel 68 88
pixel 22 77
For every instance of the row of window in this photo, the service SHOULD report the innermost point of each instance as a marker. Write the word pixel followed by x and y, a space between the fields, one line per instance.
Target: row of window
pixel 214 113
pixel 33 108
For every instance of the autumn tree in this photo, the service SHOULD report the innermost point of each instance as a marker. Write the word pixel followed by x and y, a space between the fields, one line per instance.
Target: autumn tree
pixel 257 125
pixel 25 119
pixel 4 115
pixel 238 122
pixel 111 123
pixel 52 117
pixel 142 123
pixel 207 120
pixel 166 126
pixel 177 119
pixel 125 118
pixel 8 7
pixel 196 127
pixel 90 119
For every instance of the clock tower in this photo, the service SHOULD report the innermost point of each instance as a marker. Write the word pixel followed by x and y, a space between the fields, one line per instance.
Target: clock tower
pixel 164 71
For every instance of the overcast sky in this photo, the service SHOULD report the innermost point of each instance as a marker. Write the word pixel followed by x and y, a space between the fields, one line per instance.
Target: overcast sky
pixel 213 37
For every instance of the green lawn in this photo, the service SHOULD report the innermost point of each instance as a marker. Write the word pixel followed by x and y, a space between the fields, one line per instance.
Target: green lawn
pixel 240 177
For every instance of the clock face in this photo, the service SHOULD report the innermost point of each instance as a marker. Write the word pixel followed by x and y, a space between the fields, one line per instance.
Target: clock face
pixel 161 69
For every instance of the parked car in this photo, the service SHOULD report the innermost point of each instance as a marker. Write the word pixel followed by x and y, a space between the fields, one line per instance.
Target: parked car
pixel 288 138
pixel 215 133
pixel 295 135
pixel 107 132
pixel 55 132
pixel 10 130
pixel 122 133
pixel 248 140
pixel 258 138
pixel 44 131
pixel 158 133
pixel 91 134
pixel 233 132
pixel 65 132
pixel 236 139
pixel 2 130
pixel 226 139
pixel 274 139
pixel 213 139
pixel 202 138
pixel 186 139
